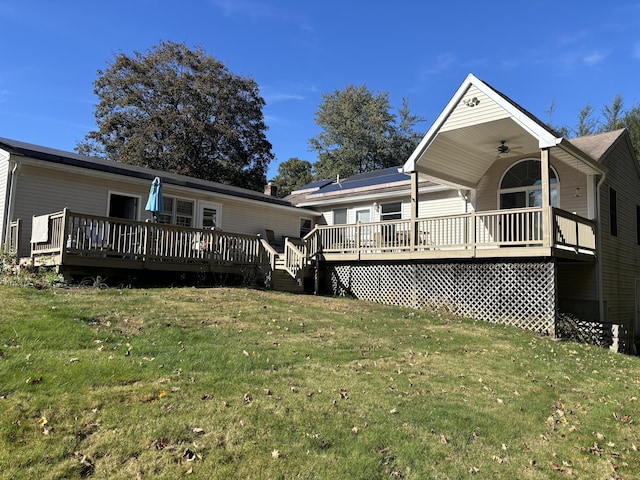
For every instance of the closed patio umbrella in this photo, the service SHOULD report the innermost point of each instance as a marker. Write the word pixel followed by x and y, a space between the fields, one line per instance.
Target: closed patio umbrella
pixel 154 203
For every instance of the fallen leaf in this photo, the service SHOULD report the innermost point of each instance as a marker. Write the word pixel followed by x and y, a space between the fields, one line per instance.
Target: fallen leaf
pixel 443 439
pixel 275 454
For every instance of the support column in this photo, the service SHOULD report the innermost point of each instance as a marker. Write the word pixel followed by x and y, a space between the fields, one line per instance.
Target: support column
pixel 414 211
pixel 546 198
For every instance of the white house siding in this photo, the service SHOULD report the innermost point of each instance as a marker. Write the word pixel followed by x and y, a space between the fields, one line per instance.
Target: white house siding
pixel 254 218
pixel 437 204
pixel 4 190
pixel 485 111
pixel 621 254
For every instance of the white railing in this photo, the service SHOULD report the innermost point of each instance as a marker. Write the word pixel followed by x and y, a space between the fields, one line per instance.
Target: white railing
pixel 295 257
pixel 471 231
pixel 148 243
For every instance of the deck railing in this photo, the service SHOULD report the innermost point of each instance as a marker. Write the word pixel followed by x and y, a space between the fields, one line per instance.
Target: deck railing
pixel 13 241
pixel 471 231
pixel 148 243
pixel 54 242
pixel 296 257
pixel 573 232
pixel 154 245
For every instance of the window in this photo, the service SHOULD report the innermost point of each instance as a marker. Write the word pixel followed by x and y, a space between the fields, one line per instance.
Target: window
pixel 339 216
pixel 391 211
pixel 210 215
pixel 613 212
pixel 123 206
pixel 305 226
pixel 176 211
pixel 363 216
pixel 521 186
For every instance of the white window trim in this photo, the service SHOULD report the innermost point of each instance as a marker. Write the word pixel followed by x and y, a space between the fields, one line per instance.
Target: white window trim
pixel 204 204
pixel 401 211
pixel 363 209
pixel 527 188
pixel 174 213
pixel 124 194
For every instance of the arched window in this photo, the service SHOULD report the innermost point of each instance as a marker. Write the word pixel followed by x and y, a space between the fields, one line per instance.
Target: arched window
pixel 521 186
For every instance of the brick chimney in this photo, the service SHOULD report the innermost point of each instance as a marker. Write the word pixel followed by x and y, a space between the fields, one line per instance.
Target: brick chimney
pixel 271 189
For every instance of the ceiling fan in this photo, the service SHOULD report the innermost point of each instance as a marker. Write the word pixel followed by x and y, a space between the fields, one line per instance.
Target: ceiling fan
pixel 503 149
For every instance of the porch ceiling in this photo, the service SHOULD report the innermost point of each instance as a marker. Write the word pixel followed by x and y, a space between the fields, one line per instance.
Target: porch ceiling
pixel 460 157
pixel 463 155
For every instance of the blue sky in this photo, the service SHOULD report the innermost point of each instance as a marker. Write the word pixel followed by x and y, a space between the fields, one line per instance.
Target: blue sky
pixel 537 52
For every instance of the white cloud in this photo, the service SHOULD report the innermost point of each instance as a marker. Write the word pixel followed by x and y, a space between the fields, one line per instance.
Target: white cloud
pixel 594 58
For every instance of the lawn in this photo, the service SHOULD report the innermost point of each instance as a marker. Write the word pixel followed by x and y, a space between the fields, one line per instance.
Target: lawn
pixel 236 383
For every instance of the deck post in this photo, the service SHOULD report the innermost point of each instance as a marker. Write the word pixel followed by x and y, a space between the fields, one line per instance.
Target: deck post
pixel 546 197
pixel 414 212
pixel 63 236
pixel 147 244
pixel 472 239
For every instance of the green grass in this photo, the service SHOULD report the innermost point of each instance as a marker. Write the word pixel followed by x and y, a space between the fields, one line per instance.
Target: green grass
pixel 234 383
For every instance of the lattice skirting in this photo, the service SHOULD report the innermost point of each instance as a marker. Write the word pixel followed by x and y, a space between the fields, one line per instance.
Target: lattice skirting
pixel 517 293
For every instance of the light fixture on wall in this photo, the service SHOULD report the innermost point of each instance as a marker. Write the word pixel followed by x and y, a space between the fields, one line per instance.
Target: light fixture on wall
pixel 471 102
pixel 376 206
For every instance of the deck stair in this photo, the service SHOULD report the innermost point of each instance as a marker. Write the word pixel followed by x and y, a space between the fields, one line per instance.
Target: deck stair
pixel 283 281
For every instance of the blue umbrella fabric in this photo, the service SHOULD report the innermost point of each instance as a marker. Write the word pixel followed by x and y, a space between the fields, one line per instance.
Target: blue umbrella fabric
pixel 154 203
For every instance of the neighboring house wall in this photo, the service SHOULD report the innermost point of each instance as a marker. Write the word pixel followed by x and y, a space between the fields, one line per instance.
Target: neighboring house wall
pixel 621 253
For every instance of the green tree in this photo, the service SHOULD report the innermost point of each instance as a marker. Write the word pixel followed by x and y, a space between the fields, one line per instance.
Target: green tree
pixel 180 110
pixel 292 174
pixel 586 122
pixel 632 124
pixel 613 115
pixel 360 134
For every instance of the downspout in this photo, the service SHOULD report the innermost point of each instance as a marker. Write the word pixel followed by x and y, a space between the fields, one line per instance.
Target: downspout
pixel 599 252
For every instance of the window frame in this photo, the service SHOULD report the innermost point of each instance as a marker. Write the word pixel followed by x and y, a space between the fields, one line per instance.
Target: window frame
pixel 397 215
pixel 613 212
pixel 138 203
pixel 174 214
pixel 346 216
pixel 528 190
pixel 303 231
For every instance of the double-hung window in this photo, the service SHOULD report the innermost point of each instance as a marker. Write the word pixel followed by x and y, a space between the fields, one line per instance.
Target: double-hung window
pixel 177 211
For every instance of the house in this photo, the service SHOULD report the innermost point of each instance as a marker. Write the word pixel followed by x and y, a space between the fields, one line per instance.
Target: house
pixel 494 216
pixel 497 217
pixel 38 181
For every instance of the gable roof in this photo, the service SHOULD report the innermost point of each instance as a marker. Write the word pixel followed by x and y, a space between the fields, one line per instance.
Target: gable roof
pixel 598 145
pixel 70 159
pixel 461 145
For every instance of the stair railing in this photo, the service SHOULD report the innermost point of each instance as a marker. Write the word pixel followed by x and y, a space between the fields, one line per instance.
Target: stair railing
pixel 295 257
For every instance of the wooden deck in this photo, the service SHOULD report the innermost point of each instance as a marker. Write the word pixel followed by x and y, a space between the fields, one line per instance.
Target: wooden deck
pixel 76 241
